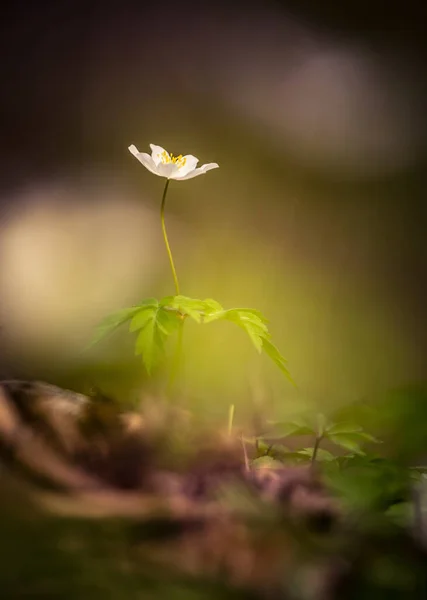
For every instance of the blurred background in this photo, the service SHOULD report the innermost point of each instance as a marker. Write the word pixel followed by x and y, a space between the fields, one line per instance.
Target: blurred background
pixel 316 116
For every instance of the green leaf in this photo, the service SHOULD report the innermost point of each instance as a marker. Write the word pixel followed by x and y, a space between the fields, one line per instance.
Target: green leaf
pixel 263 449
pixel 417 473
pixel 252 312
pixel 249 319
pixel 271 350
pixel 402 514
pixel 166 301
pixel 367 437
pixel 352 440
pixel 251 323
pixel 289 428
pixel 212 306
pixel 278 450
pixel 321 455
pixel 349 441
pixel 111 323
pixel 266 462
pixel 140 319
pixel 255 325
pixel 192 307
pixel 294 458
pixel 214 315
pixel 158 325
pixel 358 488
pixel 344 427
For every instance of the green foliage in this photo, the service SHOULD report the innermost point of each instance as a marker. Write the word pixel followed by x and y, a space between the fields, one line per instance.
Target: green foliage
pixel 266 462
pixel 321 455
pixel 347 435
pixel 343 427
pixel 370 483
pixel 155 325
pixel 277 358
pixel 112 322
pixel 350 441
pixel 154 322
pixel 295 427
pixel 198 310
pixel 157 320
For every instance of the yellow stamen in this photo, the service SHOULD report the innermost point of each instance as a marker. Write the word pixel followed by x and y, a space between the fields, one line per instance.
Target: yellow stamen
pixel 166 159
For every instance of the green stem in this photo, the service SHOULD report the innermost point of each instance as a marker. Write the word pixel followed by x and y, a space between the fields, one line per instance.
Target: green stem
pixel 230 419
pixel 316 448
pixel 165 236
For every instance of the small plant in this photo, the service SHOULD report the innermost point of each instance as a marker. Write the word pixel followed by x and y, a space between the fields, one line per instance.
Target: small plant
pixel 346 435
pixel 155 321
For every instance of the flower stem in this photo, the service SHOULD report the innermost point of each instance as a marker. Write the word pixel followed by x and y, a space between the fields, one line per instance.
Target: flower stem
pixel 165 236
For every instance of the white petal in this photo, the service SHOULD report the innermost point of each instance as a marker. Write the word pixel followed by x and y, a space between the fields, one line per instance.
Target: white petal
pixel 133 150
pixel 200 171
pixel 167 170
pixel 144 159
pixel 156 153
pixel 189 165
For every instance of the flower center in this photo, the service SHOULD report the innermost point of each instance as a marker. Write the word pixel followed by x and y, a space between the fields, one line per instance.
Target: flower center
pixel 166 159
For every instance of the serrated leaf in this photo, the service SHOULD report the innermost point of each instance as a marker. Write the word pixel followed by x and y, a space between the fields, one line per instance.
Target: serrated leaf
pixel 271 350
pixel 355 437
pixel 189 306
pixel 213 316
pixel 255 338
pixel 166 301
pixel 212 306
pixel 349 441
pixel 148 302
pixel 294 457
pixel 321 454
pixel 289 428
pixel 248 320
pixel 246 315
pixel 112 322
pixel 159 324
pixel 144 314
pixel 253 312
pixel 192 307
pixel 344 427
pixel 367 437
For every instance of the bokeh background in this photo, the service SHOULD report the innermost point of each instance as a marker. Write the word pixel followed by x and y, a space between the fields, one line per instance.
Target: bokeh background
pixel 316 116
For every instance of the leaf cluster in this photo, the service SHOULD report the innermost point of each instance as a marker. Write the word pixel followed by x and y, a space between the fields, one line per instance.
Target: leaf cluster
pixel 346 435
pixel 155 321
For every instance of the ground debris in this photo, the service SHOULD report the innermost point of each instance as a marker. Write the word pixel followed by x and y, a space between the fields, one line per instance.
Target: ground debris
pixel 276 531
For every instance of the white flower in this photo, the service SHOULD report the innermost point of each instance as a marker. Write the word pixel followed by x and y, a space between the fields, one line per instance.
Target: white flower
pixel 167 165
